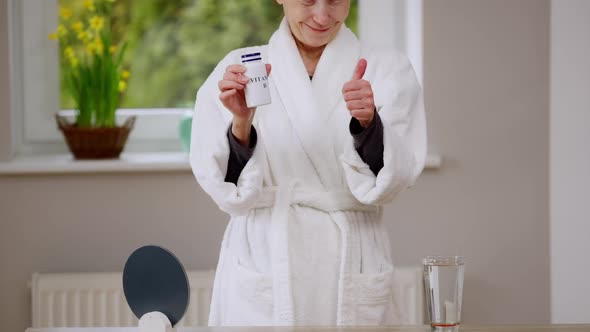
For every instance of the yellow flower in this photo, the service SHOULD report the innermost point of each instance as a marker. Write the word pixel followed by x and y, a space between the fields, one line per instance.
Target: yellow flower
pixel 61 30
pixel 98 45
pixel 53 36
pixel 96 23
pixel 113 49
pixel 125 74
pixel 74 61
pixel 65 13
pixel 89 4
pixel 122 86
pixel 91 48
pixel 78 26
pixel 69 52
pixel 83 36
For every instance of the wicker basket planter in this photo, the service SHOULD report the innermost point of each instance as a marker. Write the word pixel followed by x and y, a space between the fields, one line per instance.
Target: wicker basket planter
pixel 95 143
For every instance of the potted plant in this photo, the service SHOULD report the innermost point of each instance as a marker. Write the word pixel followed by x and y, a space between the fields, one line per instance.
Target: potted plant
pixel 95 78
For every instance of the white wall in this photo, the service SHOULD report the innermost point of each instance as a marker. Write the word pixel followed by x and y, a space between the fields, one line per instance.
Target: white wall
pixel 570 161
pixel 486 82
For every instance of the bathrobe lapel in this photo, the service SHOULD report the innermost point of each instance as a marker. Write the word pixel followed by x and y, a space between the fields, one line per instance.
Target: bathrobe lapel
pixel 310 104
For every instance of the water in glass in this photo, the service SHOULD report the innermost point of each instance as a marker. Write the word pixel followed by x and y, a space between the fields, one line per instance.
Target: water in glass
pixel 443 281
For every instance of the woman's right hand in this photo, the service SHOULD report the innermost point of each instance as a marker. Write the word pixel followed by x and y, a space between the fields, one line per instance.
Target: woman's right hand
pixel 233 98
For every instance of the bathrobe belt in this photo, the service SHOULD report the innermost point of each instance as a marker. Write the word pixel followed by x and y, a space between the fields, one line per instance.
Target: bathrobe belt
pixel 328 201
pixel 282 198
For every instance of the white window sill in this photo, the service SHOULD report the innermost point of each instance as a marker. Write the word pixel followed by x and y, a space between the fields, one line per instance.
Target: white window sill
pixel 129 162
pixel 66 164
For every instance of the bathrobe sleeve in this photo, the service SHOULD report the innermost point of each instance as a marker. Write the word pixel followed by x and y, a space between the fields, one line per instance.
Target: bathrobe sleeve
pixel 368 142
pixel 399 102
pixel 210 150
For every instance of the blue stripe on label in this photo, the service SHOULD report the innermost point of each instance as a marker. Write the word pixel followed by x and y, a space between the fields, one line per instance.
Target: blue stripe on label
pixel 250 60
pixel 250 55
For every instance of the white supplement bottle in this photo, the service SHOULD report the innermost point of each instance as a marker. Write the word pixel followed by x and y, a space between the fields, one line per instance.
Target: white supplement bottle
pixel 257 89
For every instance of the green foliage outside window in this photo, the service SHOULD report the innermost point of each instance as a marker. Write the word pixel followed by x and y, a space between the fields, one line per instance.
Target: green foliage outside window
pixel 172 46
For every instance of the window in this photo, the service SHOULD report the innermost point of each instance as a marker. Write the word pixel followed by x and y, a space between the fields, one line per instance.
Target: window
pixel 174 45
pixel 171 44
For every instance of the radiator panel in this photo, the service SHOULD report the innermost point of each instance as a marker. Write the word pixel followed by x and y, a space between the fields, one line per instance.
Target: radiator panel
pixel 97 300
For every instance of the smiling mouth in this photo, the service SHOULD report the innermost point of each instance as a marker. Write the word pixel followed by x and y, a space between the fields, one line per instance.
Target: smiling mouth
pixel 318 30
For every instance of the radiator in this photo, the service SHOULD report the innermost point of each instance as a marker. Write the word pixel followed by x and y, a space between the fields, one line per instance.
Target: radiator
pixel 97 299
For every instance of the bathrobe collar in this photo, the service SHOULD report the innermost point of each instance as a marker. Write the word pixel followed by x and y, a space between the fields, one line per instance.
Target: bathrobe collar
pixel 310 104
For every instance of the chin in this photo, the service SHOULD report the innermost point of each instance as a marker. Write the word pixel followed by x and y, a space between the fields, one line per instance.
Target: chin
pixel 316 42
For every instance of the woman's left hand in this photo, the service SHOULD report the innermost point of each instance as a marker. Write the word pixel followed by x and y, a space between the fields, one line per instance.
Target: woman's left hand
pixel 358 96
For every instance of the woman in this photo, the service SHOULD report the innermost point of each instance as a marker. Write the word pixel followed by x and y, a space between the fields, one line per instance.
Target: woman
pixel 305 177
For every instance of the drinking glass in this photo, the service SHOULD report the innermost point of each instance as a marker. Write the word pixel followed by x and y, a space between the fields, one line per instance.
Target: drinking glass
pixel 443 282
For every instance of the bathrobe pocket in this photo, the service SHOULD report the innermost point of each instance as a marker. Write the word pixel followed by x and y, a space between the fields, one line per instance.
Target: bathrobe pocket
pixel 251 295
pixel 373 299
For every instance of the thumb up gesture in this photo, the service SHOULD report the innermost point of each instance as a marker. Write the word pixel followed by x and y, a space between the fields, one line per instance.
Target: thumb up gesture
pixel 358 96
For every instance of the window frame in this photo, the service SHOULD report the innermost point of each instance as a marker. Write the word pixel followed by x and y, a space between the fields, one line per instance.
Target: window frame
pixel 34 65
pixel 400 19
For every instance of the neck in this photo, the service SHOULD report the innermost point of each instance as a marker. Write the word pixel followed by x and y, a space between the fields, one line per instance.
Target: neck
pixel 309 55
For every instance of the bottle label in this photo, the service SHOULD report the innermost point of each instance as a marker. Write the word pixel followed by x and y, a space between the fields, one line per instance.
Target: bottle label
pixel 257 90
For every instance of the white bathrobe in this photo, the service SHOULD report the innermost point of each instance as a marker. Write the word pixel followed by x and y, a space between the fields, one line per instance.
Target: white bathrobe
pixel 306 244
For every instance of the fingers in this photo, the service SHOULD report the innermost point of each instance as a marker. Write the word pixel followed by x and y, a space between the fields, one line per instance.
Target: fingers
pixel 236 73
pixel 225 85
pixel 232 88
pixel 355 85
pixel 358 105
pixel 241 69
pixel 236 69
pixel 359 71
pixel 225 95
pixel 358 94
pixel 238 78
pixel 233 79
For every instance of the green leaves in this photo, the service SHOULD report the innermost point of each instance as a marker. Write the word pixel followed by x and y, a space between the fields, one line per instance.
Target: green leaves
pixel 172 46
pixel 91 67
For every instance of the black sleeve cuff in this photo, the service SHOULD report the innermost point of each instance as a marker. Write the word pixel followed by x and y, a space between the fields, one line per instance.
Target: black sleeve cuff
pixel 238 155
pixel 359 133
pixel 368 142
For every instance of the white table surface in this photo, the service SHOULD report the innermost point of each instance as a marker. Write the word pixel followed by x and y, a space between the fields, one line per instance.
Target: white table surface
pixel 491 328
